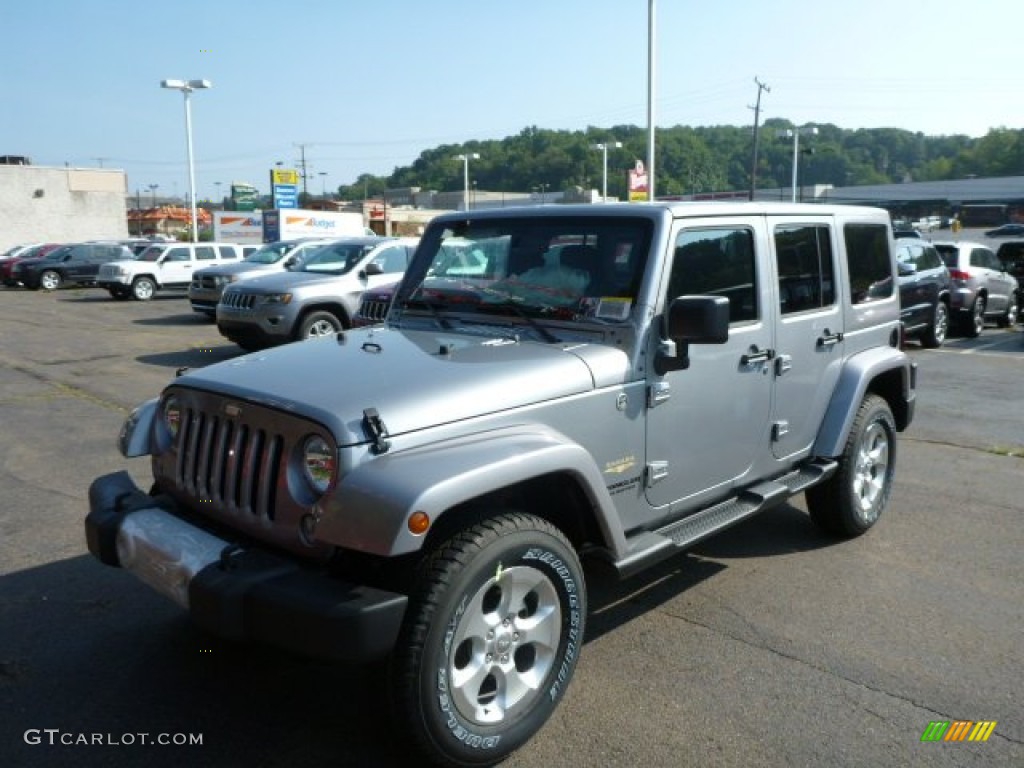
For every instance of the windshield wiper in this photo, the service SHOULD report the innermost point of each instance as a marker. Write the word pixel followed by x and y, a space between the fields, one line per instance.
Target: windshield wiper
pixel 517 310
pixel 433 306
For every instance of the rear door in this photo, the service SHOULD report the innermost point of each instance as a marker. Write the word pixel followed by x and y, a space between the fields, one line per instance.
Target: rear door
pixel 809 337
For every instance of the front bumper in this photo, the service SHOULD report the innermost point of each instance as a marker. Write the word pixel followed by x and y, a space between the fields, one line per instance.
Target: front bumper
pixel 234 592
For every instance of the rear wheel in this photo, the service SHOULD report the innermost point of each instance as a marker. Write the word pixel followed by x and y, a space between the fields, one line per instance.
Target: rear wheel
pixel 975 322
pixel 935 335
pixel 852 500
pixel 490 640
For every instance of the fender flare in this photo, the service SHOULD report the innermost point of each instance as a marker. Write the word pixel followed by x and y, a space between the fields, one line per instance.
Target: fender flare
pixel 369 509
pixel 859 375
pixel 134 438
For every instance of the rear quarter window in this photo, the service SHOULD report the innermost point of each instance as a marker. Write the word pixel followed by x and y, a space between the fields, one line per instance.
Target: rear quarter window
pixel 868 262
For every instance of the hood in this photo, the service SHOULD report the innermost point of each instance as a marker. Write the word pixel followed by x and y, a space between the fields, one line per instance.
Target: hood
pixel 238 267
pixel 281 281
pixel 415 379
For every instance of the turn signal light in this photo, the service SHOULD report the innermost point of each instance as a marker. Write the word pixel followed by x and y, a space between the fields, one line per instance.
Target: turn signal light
pixel 418 523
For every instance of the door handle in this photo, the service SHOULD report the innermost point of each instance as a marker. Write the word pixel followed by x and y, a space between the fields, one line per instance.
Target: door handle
pixel 756 355
pixel 829 339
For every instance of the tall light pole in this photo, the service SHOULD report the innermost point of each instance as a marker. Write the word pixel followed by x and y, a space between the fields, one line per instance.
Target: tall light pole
pixel 604 146
pixel 186 87
pixel 794 133
pixel 152 190
pixel 323 184
pixel 465 175
pixel 651 56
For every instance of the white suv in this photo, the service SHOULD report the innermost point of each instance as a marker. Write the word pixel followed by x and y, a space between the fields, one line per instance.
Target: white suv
pixel 163 266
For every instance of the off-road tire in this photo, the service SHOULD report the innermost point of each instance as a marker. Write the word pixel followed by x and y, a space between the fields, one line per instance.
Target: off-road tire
pixel 143 288
pixel 935 335
pixel 318 323
pixel 852 500
pixel 491 636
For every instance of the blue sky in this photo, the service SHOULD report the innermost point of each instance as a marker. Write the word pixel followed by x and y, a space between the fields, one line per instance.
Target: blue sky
pixel 367 86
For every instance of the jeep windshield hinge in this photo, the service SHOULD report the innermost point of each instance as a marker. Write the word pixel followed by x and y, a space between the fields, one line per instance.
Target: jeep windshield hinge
pixel 375 430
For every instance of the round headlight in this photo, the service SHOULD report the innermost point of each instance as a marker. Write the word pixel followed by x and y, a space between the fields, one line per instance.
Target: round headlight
pixel 318 463
pixel 172 415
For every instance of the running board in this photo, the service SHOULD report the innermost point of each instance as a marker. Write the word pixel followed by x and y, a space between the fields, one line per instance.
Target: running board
pixel 649 547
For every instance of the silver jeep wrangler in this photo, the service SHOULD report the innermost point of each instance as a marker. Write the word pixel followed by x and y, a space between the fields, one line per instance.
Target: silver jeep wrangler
pixel 613 382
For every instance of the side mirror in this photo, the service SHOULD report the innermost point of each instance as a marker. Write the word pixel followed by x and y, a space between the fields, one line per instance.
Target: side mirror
pixel 290 262
pixel 691 320
pixel 373 268
pixel 906 269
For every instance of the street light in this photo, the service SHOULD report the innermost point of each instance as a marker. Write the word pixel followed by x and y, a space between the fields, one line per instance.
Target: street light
pixel 186 87
pixel 794 134
pixel 323 184
pixel 465 176
pixel 604 155
pixel 152 190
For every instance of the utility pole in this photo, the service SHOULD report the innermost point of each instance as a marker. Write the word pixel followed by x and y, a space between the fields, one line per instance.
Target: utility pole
pixel 757 115
pixel 302 165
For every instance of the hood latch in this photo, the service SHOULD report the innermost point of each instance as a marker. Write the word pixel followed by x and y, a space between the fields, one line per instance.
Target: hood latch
pixel 376 430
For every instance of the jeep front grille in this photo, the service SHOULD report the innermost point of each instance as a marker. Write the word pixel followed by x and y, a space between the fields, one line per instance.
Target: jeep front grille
pixel 374 309
pixel 230 465
pixel 237 300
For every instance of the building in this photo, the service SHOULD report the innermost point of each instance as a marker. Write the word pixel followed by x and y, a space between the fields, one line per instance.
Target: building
pixel 61 205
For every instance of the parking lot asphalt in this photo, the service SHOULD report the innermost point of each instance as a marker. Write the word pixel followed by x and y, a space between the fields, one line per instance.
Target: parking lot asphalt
pixel 770 645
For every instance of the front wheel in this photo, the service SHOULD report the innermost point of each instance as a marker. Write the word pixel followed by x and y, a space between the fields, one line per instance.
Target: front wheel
pixel 1009 318
pixel 490 640
pixel 317 324
pixel 50 280
pixel 143 289
pixel 852 500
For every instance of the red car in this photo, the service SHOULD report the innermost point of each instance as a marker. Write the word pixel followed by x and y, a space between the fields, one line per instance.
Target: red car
pixel 35 252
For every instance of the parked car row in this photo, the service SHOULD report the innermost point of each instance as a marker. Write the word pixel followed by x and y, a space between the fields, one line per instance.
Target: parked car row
pixel 49 266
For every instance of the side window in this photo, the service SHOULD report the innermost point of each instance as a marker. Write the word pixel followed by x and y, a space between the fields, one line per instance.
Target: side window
pixel 392 260
pixel 929 258
pixel 177 254
pixel 205 253
pixel 717 262
pixel 806 273
pixel 867 257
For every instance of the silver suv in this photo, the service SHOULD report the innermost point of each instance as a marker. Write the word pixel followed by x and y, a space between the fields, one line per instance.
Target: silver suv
pixel 615 382
pixel 317 298
pixel 208 283
pixel 982 288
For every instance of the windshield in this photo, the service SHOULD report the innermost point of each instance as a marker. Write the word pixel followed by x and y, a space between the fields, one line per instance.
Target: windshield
pixel 152 253
pixel 335 259
pixel 571 268
pixel 271 253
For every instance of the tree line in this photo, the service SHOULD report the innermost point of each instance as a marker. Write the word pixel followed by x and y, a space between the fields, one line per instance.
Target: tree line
pixel 703 159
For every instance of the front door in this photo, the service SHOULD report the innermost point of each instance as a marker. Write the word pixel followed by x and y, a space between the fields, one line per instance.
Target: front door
pixel 176 266
pixel 707 425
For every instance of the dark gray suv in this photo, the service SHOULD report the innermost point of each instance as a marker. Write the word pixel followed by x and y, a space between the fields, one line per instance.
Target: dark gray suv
pixel 925 287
